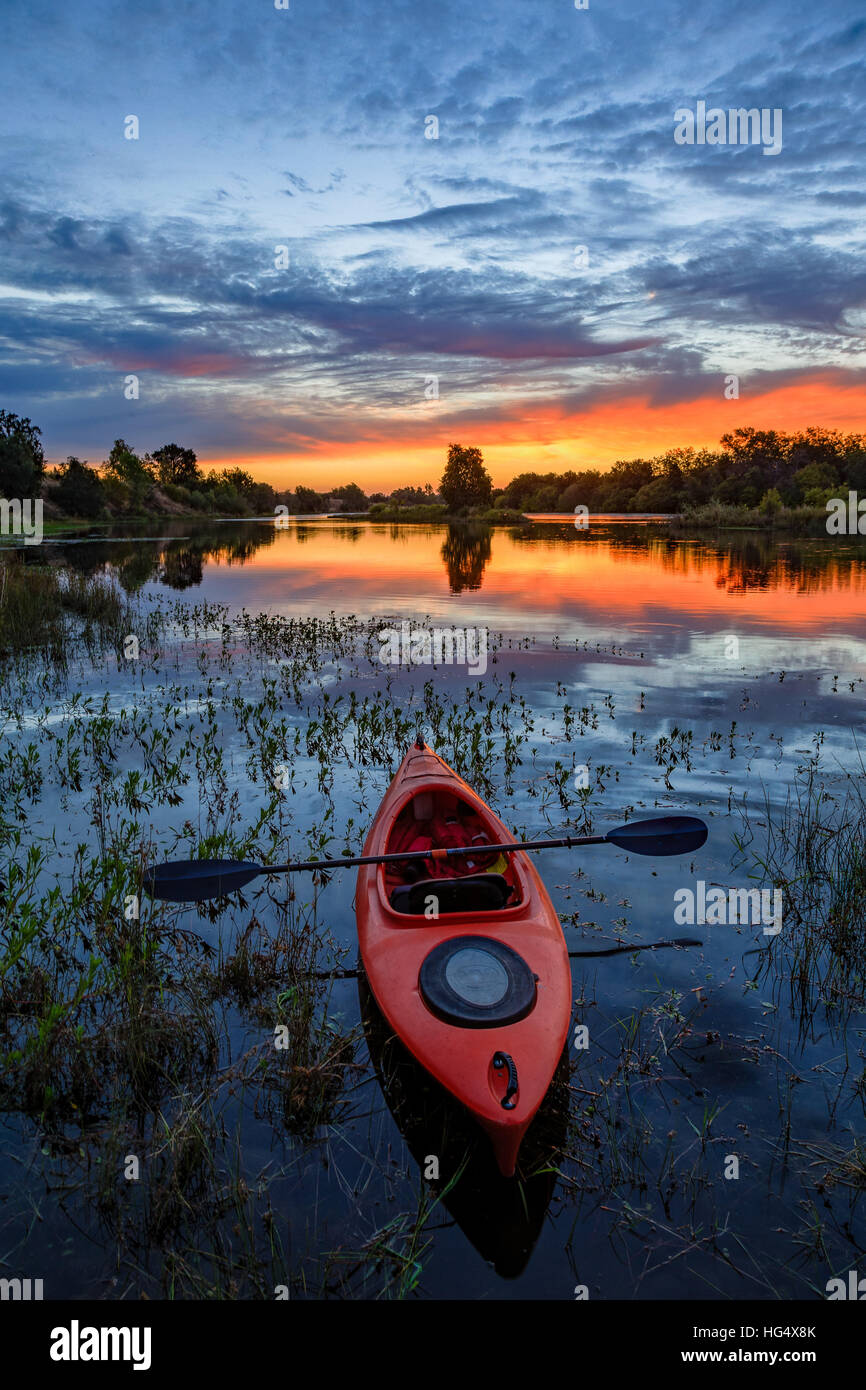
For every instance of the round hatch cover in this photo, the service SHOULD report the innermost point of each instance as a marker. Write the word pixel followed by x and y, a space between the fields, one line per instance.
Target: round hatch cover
pixel 476 976
pixel 476 982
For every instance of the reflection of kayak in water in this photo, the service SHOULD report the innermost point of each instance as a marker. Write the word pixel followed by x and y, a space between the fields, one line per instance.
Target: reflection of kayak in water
pixel 469 968
pixel 501 1217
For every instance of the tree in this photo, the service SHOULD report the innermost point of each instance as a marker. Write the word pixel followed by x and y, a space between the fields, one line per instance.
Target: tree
pixel 79 491
pixel 411 496
pixel 622 483
pixel 177 465
pixel 854 469
pixel 134 473
pixel 747 445
pixel 22 461
pixel 306 500
pixel 525 486
pixel 262 499
pixel 353 498
pixel 819 496
pixel 583 492
pixel 661 495
pixel 813 476
pixel 234 491
pixel 544 500
pixel 465 482
pixel 238 479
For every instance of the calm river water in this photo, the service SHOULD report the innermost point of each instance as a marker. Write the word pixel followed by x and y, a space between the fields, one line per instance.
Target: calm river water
pixel 706 1142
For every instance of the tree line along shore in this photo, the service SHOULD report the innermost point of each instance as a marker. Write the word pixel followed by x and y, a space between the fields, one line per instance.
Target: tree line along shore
pixel 762 478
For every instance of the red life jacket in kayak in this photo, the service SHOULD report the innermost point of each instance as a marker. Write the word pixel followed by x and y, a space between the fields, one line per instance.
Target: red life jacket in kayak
pixel 446 832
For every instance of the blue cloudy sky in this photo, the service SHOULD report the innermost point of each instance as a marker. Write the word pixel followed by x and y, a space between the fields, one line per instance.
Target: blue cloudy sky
pixel 417 263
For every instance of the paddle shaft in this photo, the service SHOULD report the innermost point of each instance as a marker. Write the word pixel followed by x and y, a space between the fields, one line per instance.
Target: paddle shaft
pixel 193 880
pixel 432 854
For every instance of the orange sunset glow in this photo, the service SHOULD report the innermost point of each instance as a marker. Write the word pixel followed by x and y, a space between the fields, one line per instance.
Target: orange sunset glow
pixel 549 439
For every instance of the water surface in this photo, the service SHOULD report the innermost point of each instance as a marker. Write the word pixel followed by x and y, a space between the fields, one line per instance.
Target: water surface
pixel 629 673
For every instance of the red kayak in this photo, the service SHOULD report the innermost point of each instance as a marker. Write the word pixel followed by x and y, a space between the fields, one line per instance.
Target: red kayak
pixel 468 965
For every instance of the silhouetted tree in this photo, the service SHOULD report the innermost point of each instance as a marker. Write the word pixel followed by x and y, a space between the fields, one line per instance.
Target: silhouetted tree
pixel 465 482
pixel 411 496
pixel 177 465
pixel 353 498
pixel 306 501
pixel 79 491
pixel 21 458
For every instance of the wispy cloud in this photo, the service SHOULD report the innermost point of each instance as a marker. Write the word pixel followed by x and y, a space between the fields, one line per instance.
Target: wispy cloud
pixel 553 248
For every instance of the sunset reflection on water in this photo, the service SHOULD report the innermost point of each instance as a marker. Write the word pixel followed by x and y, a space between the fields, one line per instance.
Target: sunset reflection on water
pixel 545 578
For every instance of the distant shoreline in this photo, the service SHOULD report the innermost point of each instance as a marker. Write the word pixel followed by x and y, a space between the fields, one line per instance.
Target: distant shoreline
pixel 805 521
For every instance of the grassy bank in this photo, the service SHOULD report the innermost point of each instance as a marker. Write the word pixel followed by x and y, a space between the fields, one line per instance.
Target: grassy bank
pixel 490 516
pixel 60 526
pixel 76 523
pixel 717 516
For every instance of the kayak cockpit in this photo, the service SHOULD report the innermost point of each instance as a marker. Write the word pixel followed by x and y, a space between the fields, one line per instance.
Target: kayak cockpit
pixel 481 881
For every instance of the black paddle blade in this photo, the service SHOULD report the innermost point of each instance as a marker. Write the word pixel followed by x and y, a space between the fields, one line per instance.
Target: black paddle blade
pixel 666 835
pixel 194 880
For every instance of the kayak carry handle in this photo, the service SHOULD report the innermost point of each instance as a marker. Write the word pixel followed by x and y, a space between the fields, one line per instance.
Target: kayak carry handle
pixel 504 1059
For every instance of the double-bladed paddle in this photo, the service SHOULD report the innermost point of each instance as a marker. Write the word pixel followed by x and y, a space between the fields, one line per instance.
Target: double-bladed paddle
pixel 194 880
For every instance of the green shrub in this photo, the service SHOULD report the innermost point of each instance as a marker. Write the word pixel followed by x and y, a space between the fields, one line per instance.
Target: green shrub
pixel 178 493
pixel 117 494
pixel 771 502
pixel 80 491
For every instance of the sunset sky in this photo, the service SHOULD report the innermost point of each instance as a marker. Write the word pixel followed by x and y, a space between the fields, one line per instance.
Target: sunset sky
pixel 412 258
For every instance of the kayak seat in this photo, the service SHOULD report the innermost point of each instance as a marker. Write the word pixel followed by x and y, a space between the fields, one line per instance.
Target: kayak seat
pixel 474 893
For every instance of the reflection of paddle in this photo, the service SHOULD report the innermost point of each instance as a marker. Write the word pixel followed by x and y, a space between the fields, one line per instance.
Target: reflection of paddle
pixel 194 880
pixel 649 946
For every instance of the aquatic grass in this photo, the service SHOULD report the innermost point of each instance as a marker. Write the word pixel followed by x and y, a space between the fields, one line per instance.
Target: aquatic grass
pixel 389 1264
pixel 306 1067
pixel 192 1226
pixel 834 1165
pixel 813 849
pixel 392 1256
pixel 62 611
pixel 31 610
